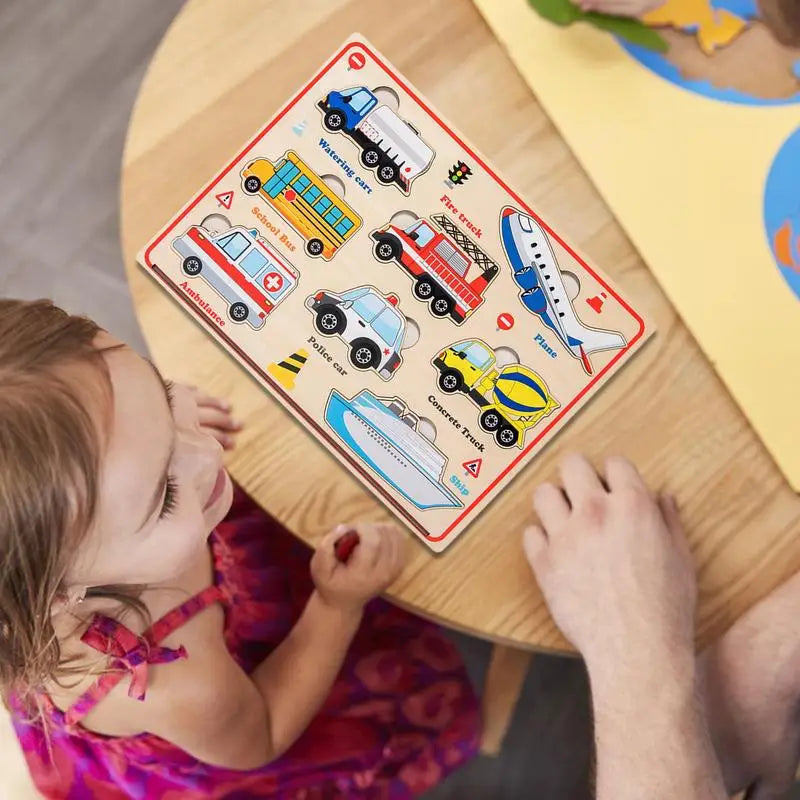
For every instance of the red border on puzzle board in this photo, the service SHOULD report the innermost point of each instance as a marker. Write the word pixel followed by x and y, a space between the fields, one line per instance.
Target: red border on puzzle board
pixel 287 399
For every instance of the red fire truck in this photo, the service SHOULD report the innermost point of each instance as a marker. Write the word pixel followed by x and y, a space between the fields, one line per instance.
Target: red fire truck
pixel 448 269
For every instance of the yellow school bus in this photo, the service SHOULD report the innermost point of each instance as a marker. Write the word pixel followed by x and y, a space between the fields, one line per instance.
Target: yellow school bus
pixel 304 200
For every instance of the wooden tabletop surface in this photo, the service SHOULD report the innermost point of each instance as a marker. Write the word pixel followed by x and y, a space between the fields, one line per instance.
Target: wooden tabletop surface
pixel 221 71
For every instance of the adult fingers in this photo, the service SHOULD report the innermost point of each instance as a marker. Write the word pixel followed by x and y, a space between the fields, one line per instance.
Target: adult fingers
pixel 534 543
pixel 580 478
pixel 550 505
pixel 621 473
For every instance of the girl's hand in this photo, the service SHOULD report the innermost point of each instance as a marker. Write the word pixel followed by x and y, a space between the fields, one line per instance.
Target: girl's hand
pixel 620 8
pixel 373 566
pixel 214 416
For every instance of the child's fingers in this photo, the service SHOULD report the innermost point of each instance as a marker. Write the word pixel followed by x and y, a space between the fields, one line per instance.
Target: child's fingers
pixel 207 401
pixel 368 552
pixel 534 542
pixel 214 418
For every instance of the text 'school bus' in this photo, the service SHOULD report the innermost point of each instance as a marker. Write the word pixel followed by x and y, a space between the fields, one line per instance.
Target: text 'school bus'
pixel 241 267
pixel 304 200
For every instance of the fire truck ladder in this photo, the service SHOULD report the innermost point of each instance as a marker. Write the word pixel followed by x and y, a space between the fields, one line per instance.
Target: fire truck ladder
pixel 464 242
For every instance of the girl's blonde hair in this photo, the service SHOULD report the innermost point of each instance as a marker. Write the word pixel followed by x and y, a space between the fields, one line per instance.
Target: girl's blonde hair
pixel 50 450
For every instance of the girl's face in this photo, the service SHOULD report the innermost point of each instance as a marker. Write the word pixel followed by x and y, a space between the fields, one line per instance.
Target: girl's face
pixel 162 484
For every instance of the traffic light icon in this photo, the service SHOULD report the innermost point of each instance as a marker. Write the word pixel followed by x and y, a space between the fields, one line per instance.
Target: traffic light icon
pixel 459 173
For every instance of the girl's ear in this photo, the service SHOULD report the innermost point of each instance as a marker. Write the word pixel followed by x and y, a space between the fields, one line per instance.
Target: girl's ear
pixel 68 599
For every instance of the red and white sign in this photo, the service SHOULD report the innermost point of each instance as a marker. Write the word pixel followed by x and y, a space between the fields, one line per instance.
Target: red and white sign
pixel 356 61
pixel 225 199
pixel 273 282
pixel 473 467
pixel 505 321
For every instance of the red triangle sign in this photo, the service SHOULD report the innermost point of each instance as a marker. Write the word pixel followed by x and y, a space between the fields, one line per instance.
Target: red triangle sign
pixel 225 199
pixel 473 467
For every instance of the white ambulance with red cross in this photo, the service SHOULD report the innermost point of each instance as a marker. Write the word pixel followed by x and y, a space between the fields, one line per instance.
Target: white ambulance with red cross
pixel 241 268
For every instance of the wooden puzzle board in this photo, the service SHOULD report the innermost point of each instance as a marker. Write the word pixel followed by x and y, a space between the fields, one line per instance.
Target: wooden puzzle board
pixel 374 273
pixel 685 175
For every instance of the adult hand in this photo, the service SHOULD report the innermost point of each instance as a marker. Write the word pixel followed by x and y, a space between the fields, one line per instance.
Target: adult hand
pixel 613 563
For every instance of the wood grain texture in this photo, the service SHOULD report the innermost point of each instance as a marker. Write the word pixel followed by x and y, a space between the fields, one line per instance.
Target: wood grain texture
pixel 217 76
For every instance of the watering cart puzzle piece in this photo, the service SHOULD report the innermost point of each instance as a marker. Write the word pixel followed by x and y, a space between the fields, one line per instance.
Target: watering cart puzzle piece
pixel 377 277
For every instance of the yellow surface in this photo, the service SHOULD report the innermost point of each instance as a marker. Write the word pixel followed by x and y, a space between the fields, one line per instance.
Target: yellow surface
pixel 715 28
pixel 685 176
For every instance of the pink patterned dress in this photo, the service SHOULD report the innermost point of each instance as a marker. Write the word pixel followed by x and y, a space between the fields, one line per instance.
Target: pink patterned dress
pixel 400 716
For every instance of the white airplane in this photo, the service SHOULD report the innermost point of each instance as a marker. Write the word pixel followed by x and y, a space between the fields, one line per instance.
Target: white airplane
pixel 544 293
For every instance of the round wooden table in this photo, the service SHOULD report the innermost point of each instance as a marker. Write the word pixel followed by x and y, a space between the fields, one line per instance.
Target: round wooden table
pixel 221 71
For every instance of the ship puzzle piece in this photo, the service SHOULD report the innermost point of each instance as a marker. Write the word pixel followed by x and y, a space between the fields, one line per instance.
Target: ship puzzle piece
pixel 307 257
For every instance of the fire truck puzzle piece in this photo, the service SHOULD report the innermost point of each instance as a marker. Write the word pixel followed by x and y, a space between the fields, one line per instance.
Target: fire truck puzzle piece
pixel 511 399
pixel 450 272
pixel 240 267
pixel 292 189
pixel 368 322
pixel 390 146
pixel 542 289
pixel 393 441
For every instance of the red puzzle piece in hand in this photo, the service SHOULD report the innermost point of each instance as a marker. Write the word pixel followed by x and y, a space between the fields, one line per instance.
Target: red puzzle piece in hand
pixel 343 547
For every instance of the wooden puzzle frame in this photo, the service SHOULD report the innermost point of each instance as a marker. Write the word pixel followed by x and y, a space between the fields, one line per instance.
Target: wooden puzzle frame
pixel 501 334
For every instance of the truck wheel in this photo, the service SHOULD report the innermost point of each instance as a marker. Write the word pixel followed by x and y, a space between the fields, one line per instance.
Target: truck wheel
pixel 192 266
pixel 329 321
pixel 239 312
pixel 450 381
pixel 506 436
pixel 314 247
pixel 387 173
pixel 252 184
pixel 385 250
pixel 424 289
pixel 441 306
pixel 333 121
pixel 490 420
pixel 371 157
pixel 364 354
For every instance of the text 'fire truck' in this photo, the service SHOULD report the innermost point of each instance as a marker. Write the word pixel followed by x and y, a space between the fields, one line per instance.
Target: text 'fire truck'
pixel 448 269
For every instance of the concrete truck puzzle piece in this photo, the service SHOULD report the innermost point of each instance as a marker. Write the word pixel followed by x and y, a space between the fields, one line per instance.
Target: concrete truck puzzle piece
pixel 536 272
pixel 390 146
pixel 512 399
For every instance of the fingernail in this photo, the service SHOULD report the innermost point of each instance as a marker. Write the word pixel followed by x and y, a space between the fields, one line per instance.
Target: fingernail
pixel 236 424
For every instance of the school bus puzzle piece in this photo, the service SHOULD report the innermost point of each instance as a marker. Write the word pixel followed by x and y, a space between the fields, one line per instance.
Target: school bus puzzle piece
pixel 450 272
pixel 390 146
pixel 240 267
pixel 512 399
pixel 304 200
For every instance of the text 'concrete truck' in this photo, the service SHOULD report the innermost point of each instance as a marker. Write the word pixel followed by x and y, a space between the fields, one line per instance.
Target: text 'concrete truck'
pixel 448 269
pixel 390 146
pixel 511 399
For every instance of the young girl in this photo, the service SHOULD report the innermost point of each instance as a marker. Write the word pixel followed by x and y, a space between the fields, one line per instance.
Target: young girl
pixel 161 636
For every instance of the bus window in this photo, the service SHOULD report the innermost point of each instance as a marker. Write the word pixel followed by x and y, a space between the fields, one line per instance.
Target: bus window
pixel 322 205
pixel 312 194
pixel 285 172
pixel 333 215
pixel 343 226
pixel 369 306
pixel 234 244
pixel 253 263
pixel 301 184
pixel 387 325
